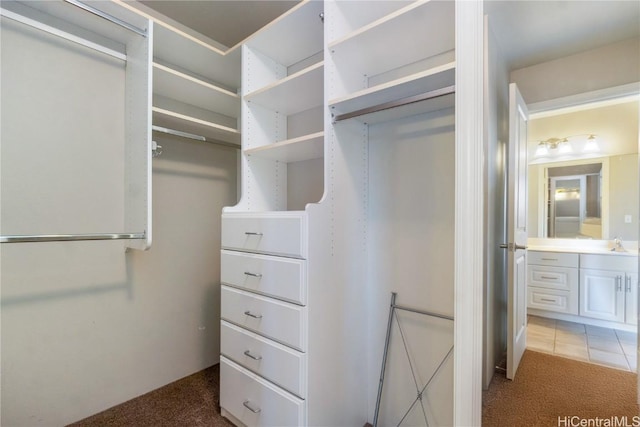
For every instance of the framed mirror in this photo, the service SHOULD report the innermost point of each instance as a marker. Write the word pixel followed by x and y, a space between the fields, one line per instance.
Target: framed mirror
pixel 576 191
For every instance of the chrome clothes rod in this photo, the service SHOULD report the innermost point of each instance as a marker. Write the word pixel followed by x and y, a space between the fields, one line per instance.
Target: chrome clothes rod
pixel 31 238
pixel 397 103
pixel 108 17
pixel 62 34
pixel 195 137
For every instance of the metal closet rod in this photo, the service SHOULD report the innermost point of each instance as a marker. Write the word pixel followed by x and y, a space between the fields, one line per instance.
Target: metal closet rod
pixel 62 34
pixel 31 238
pixel 108 17
pixel 193 136
pixel 397 103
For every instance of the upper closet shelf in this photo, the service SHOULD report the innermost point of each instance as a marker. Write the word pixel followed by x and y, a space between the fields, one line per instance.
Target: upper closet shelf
pixel 297 23
pixel 421 30
pixel 172 47
pixel 177 85
pixel 292 150
pixel 425 81
pixel 193 125
pixel 298 92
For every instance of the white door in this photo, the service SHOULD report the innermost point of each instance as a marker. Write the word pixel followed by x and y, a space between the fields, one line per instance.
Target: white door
pixel 517 231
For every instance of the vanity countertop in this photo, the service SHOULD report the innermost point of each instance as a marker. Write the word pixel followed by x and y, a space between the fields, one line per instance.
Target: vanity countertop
pixel 601 247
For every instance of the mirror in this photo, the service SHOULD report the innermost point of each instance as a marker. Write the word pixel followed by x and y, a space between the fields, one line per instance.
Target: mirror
pixel 580 194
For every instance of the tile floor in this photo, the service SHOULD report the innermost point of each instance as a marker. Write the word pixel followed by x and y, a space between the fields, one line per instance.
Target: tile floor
pixel 603 346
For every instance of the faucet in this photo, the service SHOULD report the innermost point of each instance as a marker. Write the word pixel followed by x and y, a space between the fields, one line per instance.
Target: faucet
pixel 617 244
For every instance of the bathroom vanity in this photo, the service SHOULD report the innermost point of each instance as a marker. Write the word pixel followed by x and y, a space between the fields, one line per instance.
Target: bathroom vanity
pixel 583 281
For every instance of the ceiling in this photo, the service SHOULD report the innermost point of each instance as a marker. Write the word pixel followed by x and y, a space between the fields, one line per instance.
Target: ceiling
pixel 535 31
pixel 529 31
pixel 226 21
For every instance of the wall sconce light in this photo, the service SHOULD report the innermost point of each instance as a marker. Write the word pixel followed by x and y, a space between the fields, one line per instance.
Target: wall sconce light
pixel 562 146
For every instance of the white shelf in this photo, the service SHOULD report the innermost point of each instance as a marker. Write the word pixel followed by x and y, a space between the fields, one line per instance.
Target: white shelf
pixel 174 48
pixel 306 147
pixel 193 125
pixel 421 30
pixel 298 92
pixel 425 81
pixel 302 25
pixel 174 84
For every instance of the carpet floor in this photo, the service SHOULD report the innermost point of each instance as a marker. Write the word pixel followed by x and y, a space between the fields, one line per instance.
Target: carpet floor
pixel 190 402
pixel 549 389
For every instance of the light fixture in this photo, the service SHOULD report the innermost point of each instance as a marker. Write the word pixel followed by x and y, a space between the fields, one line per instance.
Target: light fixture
pixel 591 145
pixel 562 146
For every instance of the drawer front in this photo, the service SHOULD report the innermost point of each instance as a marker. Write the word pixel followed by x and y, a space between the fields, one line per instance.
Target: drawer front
pixel 279 364
pixel 256 402
pixel 554 259
pixel 283 234
pixel 552 300
pixel 279 277
pixel 609 262
pixel 278 320
pixel 561 278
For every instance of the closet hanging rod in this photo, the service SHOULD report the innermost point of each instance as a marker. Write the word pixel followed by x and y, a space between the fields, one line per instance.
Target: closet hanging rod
pixel 29 238
pixel 108 17
pixel 62 34
pixel 188 135
pixel 397 103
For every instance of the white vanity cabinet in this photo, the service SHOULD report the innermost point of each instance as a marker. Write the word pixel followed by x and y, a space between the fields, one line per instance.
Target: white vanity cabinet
pixel 609 287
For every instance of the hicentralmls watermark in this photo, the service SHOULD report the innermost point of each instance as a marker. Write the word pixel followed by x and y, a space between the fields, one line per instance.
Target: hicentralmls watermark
pixel 576 421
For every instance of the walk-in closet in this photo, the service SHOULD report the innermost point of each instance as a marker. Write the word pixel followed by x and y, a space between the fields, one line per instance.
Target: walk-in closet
pixel 307 190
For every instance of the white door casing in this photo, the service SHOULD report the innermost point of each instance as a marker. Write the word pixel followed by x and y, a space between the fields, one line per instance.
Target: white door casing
pixel 516 231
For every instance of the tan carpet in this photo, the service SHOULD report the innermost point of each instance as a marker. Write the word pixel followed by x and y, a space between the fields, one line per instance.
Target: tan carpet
pixel 547 387
pixel 190 402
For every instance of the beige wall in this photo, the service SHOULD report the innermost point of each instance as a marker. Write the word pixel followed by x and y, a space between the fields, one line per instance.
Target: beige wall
pixel 609 66
pixel 623 196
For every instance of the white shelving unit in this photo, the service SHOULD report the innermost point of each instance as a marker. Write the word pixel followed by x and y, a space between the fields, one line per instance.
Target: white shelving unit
pixel 312 95
pixel 282 118
pixel 195 87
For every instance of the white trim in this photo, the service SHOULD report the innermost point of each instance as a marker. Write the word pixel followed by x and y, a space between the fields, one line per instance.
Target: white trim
pixel 581 101
pixel 469 196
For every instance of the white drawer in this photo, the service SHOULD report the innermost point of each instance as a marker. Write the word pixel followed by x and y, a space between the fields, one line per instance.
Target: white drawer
pixel 256 402
pixel 609 262
pixel 277 363
pixel 278 320
pixel 282 233
pixel 279 277
pixel 555 259
pixel 552 300
pixel 562 278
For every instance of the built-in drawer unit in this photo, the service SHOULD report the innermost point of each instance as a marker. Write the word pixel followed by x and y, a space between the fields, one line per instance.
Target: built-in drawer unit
pixel 255 401
pixel 552 300
pixel 553 281
pixel 278 363
pixel 281 233
pixel 278 320
pixel 278 277
pixel 553 259
pixel 560 278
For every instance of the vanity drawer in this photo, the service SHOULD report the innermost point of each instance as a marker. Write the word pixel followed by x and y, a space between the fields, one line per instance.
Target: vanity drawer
pixel 561 278
pixel 281 234
pixel 281 321
pixel 255 401
pixel 554 259
pixel 609 262
pixel 277 363
pixel 552 300
pixel 279 277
